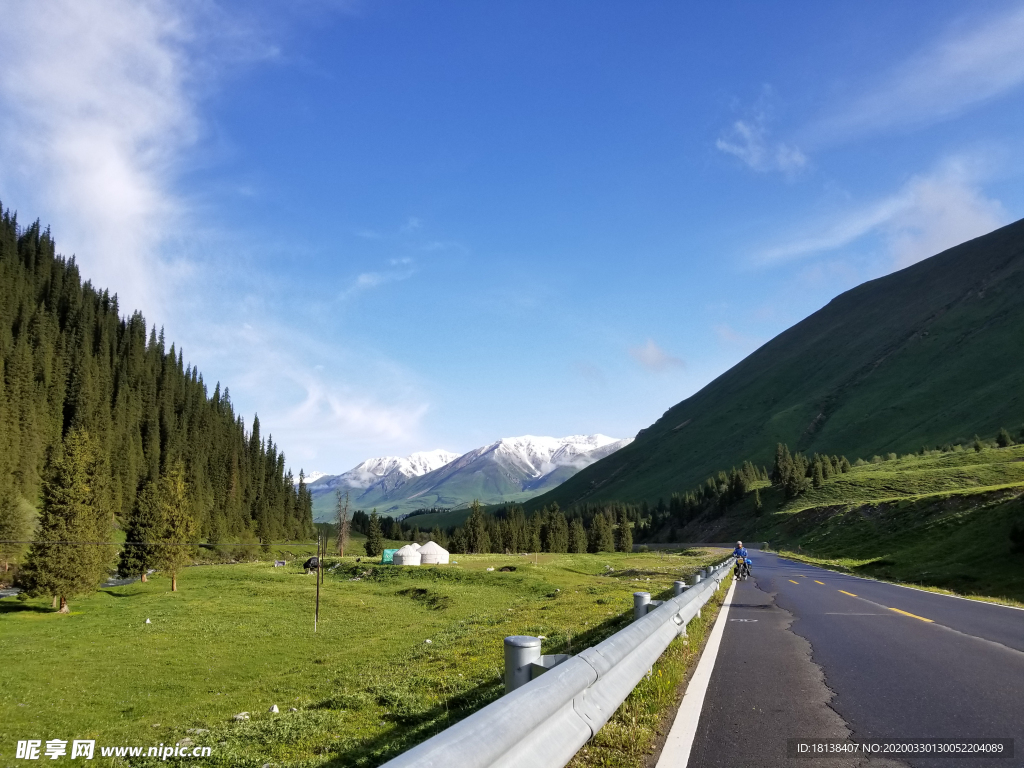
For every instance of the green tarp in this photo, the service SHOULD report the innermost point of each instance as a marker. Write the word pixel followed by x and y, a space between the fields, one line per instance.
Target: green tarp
pixel 388 556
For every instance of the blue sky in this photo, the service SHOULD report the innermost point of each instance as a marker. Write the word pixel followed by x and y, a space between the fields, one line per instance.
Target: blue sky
pixel 398 226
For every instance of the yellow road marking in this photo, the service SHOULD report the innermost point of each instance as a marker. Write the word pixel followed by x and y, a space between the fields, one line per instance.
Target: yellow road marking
pixel 911 615
pixel 819 582
pixel 794 582
pixel 847 593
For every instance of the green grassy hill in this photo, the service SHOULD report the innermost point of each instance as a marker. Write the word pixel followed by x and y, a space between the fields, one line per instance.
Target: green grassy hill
pixel 941 519
pixel 924 356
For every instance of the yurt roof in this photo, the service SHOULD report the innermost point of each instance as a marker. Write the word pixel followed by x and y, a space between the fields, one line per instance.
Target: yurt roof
pixel 414 545
pixel 433 548
pixel 408 549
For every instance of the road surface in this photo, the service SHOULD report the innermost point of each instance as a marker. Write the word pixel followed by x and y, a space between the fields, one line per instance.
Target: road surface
pixel 810 653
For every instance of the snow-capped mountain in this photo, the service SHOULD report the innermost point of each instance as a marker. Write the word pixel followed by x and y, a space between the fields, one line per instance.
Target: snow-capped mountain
pixel 512 468
pixel 312 477
pixel 385 473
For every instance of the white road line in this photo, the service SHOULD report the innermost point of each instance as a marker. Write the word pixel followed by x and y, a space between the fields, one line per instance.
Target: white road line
pixel 676 753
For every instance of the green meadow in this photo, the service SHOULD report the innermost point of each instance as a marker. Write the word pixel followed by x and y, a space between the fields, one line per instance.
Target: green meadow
pixel 399 654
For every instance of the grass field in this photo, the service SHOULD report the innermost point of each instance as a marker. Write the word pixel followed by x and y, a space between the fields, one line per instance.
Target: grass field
pixel 239 638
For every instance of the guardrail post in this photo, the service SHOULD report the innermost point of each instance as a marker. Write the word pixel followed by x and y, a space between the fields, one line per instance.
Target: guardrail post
pixel 640 601
pixel 678 587
pixel 520 652
pixel 697 579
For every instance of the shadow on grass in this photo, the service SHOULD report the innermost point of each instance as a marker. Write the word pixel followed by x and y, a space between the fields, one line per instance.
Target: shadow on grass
pixel 119 594
pixel 12 606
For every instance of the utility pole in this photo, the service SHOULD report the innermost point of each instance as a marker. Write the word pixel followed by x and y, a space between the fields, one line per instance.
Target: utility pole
pixel 319 573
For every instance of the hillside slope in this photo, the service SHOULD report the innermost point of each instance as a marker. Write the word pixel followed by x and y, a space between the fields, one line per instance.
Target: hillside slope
pixel 942 519
pixel 924 356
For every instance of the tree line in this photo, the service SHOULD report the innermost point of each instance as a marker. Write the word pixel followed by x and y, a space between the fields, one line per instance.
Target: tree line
pixel 102 426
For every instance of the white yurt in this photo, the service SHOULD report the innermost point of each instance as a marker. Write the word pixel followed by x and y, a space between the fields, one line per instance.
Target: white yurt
pixel 414 545
pixel 433 553
pixel 407 555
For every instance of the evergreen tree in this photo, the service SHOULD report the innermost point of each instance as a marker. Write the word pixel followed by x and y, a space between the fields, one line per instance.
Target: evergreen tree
pixel 15 524
pixel 145 527
pixel 374 536
pixel 180 527
pixel 69 359
pixel 395 531
pixel 439 536
pixel 758 506
pixel 577 536
pixel 557 532
pixel 1003 440
pixel 625 534
pixel 978 447
pixel 68 557
pixel 819 475
pixel 478 540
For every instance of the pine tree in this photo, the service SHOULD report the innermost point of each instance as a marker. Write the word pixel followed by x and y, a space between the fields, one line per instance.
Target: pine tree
pixel 180 529
pixel 625 537
pixel 146 525
pixel 476 530
pixel 758 506
pixel 395 531
pixel 374 536
pixel 819 475
pixel 68 557
pixel 1003 440
pixel 577 536
pixel 978 447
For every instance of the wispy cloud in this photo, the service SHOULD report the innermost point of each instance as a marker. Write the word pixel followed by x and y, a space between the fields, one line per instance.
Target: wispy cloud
pixel 750 140
pixel 369 280
pixel 654 358
pixel 97 111
pixel 315 415
pixel 963 69
pixel 929 214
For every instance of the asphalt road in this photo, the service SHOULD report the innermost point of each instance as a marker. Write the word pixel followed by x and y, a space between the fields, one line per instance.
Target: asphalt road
pixel 809 653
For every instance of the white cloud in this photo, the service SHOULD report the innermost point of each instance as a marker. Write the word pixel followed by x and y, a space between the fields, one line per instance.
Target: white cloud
pixel 750 141
pixel 368 280
pixel 953 74
pixel 654 358
pixel 315 416
pixel 96 114
pixel 928 215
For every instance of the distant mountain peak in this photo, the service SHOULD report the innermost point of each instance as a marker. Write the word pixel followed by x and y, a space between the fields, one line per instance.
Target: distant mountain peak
pixel 509 468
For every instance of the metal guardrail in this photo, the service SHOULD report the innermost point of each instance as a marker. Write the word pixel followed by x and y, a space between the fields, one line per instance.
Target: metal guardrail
pixel 543 723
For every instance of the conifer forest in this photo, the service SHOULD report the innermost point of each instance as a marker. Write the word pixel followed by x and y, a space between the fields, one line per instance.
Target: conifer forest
pixel 105 428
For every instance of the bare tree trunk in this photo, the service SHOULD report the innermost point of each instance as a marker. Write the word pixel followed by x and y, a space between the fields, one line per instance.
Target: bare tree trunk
pixel 174 582
pixel 54 601
pixel 144 577
pixel 64 605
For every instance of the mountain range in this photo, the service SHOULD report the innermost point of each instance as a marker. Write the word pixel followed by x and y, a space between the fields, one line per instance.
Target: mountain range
pixel 925 356
pixel 509 469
